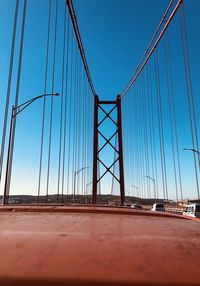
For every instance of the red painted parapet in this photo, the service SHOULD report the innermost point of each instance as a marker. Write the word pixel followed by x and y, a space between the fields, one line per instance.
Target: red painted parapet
pixel 97 246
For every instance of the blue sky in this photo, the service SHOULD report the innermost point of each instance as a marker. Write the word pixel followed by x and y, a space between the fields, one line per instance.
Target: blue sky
pixel 115 34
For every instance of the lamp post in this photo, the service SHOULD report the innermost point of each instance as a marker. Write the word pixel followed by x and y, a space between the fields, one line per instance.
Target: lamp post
pixel 87 185
pixel 194 151
pixel 75 174
pixel 128 192
pixel 198 153
pixel 137 191
pixel 154 185
pixel 15 111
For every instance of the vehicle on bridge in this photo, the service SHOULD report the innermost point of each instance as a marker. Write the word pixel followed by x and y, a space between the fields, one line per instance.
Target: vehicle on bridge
pixel 192 210
pixel 158 207
pixel 136 206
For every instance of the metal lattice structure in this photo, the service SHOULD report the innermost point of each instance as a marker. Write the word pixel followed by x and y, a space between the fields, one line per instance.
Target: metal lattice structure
pixel 115 105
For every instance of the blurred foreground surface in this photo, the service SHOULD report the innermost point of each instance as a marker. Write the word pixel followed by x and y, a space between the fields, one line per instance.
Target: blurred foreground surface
pixel 59 245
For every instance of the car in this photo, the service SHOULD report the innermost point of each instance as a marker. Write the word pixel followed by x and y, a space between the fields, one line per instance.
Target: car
pixel 135 206
pixel 158 207
pixel 192 210
pixel 126 204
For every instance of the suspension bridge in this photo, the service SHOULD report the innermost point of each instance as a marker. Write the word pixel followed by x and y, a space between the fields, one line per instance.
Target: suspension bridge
pixel 71 138
pixel 68 152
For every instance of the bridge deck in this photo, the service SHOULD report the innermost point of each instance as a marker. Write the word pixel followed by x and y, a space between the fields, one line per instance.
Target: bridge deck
pixel 97 246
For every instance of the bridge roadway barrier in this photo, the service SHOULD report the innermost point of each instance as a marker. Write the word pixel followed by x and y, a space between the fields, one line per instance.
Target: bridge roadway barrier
pixel 90 245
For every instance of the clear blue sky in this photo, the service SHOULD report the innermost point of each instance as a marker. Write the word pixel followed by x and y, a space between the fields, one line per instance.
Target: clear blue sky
pixel 115 34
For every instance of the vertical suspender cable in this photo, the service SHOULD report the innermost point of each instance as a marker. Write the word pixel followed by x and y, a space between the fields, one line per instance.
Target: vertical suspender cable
pixel 141 142
pixel 78 129
pixel 146 134
pixel 65 111
pixel 170 116
pixel 61 102
pixel 52 101
pixel 149 103
pixel 70 116
pixel 143 131
pixel 74 129
pixel 175 123
pixel 44 101
pixel 8 87
pixel 153 131
pixel 190 104
pixel 160 127
pixel 190 78
pixel 83 135
pixel 85 113
pixel 138 161
pixel 17 88
pixel 129 151
pixel 85 144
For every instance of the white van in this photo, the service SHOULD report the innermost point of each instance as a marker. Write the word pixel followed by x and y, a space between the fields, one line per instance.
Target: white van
pixel 158 207
pixel 192 210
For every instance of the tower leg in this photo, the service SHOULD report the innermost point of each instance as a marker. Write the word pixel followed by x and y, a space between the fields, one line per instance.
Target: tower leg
pixel 95 150
pixel 121 163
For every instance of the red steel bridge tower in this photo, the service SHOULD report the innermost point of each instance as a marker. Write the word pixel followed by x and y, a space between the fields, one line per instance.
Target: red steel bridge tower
pixel 115 105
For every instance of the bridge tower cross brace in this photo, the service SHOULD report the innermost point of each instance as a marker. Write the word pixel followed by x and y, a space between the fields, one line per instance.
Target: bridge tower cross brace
pixel 96 151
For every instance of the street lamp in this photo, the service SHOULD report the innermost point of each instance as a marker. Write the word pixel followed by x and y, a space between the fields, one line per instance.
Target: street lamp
pixel 137 191
pixel 198 153
pixel 15 111
pixel 75 174
pixel 194 151
pixel 87 185
pixel 154 185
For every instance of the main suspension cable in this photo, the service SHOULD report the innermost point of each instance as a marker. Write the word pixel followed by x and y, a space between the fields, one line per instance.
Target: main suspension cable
pixel 148 51
pixel 79 42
